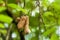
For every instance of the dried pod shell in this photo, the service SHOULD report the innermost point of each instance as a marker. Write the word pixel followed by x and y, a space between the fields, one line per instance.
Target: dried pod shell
pixel 21 23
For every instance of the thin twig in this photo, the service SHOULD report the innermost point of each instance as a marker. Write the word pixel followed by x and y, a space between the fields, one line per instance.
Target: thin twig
pixel 8 33
pixel 40 18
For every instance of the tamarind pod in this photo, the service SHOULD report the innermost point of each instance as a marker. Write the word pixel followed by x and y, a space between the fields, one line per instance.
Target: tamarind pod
pixel 21 23
pixel 26 27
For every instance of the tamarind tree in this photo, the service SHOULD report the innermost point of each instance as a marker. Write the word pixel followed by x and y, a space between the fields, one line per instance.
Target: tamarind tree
pixel 29 19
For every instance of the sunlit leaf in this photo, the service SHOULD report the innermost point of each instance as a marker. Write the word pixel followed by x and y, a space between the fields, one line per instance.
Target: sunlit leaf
pixel 3 31
pixel 5 18
pixel 18 8
pixel 48 14
pixel 45 3
pixel 2 8
pixel 1 25
pixel 29 5
pixel 49 31
pixel 56 6
pixel 1 1
pixel 54 37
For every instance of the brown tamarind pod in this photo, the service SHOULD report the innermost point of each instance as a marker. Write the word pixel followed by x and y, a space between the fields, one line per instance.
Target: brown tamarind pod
pixel 26 27
pixel 21 23
pixel 26 30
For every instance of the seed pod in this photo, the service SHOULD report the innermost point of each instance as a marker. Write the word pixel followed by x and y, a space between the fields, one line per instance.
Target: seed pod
pixel 21 23
pixel 26 27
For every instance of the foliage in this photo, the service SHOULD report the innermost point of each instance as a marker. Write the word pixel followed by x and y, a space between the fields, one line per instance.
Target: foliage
pixel 50 16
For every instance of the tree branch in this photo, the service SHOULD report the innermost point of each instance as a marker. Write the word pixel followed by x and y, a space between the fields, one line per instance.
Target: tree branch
pixel 20 33
pixel 40 18
pixel 8 33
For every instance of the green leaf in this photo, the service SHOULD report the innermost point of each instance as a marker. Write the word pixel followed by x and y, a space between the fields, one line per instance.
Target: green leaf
pixel 2 8
pixel 49 31
pixel 56 6
pixel 18 8
pixel 1 1
pixel 13 6
pixel 5 18
pixel 29 5
pixel 3 31
pixel 54 37
pixel 48 14
pixel 1 25
pixel 45 3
